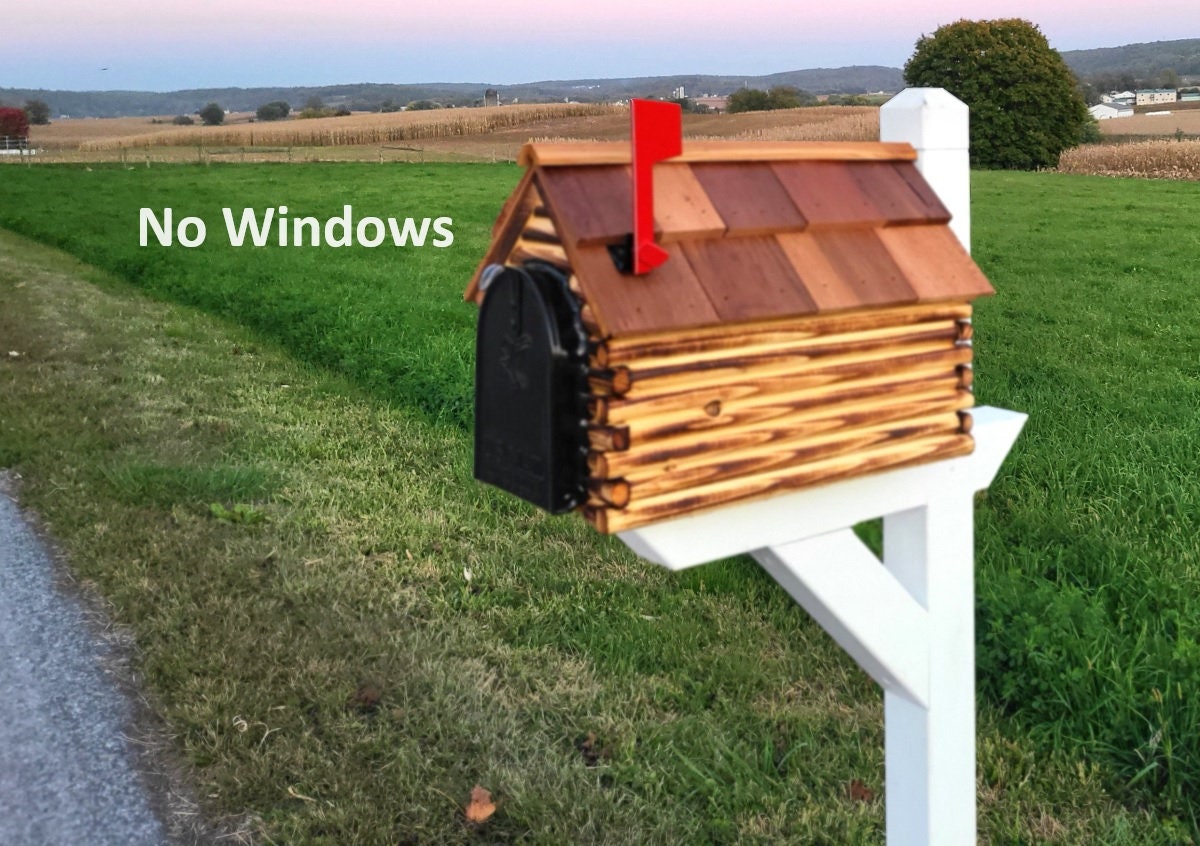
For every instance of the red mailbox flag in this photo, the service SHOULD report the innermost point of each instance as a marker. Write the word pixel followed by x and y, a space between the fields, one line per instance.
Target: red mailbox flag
pixel 657 130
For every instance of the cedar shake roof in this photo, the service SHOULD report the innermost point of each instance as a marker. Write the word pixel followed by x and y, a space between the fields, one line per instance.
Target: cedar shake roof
pixel 754 231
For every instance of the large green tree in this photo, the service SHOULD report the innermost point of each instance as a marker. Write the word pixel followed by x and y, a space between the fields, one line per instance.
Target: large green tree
pixel 274 110
pixel 212 114
pixel 1025 107
pixel 779 97
pixel 38 112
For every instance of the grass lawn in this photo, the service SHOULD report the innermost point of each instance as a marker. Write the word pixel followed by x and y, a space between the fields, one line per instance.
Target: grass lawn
pixel 358 633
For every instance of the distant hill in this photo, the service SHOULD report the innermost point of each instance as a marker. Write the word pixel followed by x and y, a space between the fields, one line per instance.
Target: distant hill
pixel 373 96
pixel 1140 61
pixel 1136 62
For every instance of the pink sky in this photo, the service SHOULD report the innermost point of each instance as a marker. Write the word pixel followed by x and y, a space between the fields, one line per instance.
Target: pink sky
pixel 164 45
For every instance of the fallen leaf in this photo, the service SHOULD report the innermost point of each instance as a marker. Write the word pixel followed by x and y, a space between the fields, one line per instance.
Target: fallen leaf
pixel 481 806
pixel 593 753
pixel 365 699
pixel 859 792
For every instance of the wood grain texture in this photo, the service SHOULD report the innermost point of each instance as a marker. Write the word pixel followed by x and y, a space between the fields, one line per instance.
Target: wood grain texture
pixel 781 412
pixel 670 296
pixel 747 278
pixel 666 371
pixel 749 393
pixel 681 207
pixel 505 231
pixel 649 456
pixel 608 438
pixel 550 154
pixel 935 210
pixel 845 268
pixel 879 361
pixel 820 278
pixel 589 205
pixel 934 263
pixel 659 343
pixel 885 456
pixel 540 228
pixel 827 194
pixel 791 339
pixel 609 492
pixel 894 196
pixel 709 467
pixel 524 251
pixel 966 377
pixel 518 205
pixel 748 197
pixel 803 355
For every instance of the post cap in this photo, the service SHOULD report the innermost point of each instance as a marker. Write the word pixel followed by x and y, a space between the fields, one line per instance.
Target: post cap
pixel 927 118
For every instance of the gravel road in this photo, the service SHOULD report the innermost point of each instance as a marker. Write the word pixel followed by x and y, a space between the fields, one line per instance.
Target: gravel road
pixel 67 771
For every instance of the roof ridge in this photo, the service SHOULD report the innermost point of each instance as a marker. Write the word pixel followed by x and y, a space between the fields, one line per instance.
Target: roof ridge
pixel 566 154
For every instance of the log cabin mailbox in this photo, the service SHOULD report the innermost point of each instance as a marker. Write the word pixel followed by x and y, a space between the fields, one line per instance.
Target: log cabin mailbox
pixel 791 357
pixel 811 323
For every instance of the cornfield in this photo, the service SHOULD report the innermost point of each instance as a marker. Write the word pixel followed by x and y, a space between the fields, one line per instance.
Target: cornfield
pixel 1146 159
pixel 356 129
pixel 859 126
pixel 490 134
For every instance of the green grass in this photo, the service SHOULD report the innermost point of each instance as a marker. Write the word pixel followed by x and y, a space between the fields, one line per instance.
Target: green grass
pixel 501 638
pixel 1089 594
pixel 387 316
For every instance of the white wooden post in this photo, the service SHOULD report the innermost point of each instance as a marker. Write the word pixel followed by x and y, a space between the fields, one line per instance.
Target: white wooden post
pixel 937 124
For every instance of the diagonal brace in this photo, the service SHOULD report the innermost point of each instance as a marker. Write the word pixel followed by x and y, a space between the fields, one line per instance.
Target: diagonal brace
pixel 863 607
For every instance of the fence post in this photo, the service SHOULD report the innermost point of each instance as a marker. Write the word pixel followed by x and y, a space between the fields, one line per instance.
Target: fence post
pixel 937 124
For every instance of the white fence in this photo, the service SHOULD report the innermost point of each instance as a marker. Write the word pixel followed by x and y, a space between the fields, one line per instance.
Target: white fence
pixel 14 146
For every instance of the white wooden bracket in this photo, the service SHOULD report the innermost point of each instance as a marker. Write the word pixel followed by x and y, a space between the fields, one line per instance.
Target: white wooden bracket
pixel 909 621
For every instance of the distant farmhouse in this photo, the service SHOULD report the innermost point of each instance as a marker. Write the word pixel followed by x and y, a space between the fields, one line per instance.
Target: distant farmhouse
pixel 1111 109
pixel 1119 104
pixel 1154 96
pixel 715 103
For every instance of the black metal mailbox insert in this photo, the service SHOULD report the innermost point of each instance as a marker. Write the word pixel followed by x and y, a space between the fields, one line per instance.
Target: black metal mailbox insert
pixel 530 388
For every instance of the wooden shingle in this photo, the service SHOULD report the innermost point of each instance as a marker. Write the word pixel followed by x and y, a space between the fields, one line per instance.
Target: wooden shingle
pixel 748 197
pixel 746 278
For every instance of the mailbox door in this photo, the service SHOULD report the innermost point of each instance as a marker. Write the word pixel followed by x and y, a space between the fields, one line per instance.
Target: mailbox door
pixel 530 388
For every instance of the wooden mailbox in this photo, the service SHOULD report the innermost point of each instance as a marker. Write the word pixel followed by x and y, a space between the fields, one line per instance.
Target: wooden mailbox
pixel 812 323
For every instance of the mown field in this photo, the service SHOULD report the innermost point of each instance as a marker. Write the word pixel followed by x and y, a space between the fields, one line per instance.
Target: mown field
pixel 1186 121
pixel 371 633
